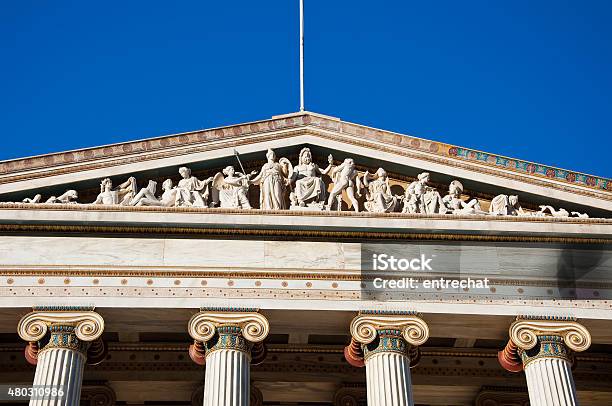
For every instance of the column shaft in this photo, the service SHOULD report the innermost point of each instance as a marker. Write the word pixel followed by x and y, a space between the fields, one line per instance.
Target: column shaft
pixel 550 382
pixel 388 380
pixel 59 367
pixel 227 378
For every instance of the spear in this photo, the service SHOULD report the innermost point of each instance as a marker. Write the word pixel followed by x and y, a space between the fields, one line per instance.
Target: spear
pixel 238 158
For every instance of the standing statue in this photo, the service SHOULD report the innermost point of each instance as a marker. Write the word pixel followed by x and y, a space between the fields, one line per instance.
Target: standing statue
pixel 233 188
pixel 190 191
pixel 345 177
pixel 421 198
pixel 309 187
pixel 454 204
pixel 273 180
pixel 146 196
pixel 379 198
pixel 122 194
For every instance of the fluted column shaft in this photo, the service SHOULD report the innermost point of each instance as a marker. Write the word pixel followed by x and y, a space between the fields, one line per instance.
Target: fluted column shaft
pixel 550 382
pixel 543 347
pixel 388 380
pixel 226 341
pixel 60 369
pixel 549 374
pixel 386 344
pixel 227 378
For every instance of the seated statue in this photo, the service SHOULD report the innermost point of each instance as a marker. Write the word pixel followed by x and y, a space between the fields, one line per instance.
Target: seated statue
pixel 345 177
pixel 122 194
pixel 309 187
pixel 233 188
pixel 379 198
pixel 504 205
pixel 146 196
pixel 421 198
pixel 68 196
pixel 190 191
pixel 455 205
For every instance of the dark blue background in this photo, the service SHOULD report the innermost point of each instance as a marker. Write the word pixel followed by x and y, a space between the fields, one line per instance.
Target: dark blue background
pixel 527 79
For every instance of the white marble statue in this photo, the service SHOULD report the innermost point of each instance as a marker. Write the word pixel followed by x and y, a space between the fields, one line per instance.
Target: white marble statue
pixel 122 194
pixel 273 180
pixel 421 198
pixel 345 177
pixel 309 187
pixel 35 199
pixel 545 209
pixel 379 198
pixel 146 196
pixel 308 191
pixel 504 205
pixel 455 205
pixel 68 196
pixel 191 191
pixel 233 188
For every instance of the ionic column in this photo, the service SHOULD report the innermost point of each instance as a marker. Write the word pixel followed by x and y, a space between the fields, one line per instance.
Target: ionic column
pixel 387 344
pixel 60 362
pixel 543 347
pixel 227 342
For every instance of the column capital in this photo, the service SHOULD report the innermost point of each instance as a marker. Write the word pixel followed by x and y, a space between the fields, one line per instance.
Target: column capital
pixel 525 331
pixel 87 324
pixel 367 325
pixel 215 329
pixel 254 326
pixel 556 337
pixel 75 328
pixel 399 332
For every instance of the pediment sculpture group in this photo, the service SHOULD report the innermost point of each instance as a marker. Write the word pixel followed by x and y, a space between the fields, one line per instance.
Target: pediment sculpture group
pixel 306 189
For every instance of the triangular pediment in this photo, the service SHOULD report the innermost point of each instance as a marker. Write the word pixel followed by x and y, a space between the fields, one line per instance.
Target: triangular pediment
pixel 483 176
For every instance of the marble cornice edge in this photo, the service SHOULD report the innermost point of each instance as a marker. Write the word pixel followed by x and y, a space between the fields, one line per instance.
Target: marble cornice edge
pixel 297 233
pixel 326 126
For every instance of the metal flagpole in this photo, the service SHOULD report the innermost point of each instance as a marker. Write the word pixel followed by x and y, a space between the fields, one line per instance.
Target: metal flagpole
pixel 301 55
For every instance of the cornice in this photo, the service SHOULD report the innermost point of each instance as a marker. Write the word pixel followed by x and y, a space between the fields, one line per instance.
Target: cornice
pixel 454 156
pixel 296 213
pixel 301 234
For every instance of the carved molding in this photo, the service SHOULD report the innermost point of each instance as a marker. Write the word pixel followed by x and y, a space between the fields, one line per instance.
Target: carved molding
pixel 524 333
pixel 218 232
pixel 97 395
pixel 88 325
pixel 197 396
pixel 256 397
pixel 351 395
pixel 203 326
pixel 364 327
pixel 502 396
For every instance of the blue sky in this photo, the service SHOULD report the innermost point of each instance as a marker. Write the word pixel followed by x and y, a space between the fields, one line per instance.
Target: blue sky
pixel 526 79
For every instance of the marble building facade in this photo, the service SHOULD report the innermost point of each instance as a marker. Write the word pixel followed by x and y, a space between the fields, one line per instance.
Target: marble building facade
pixel 226 267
